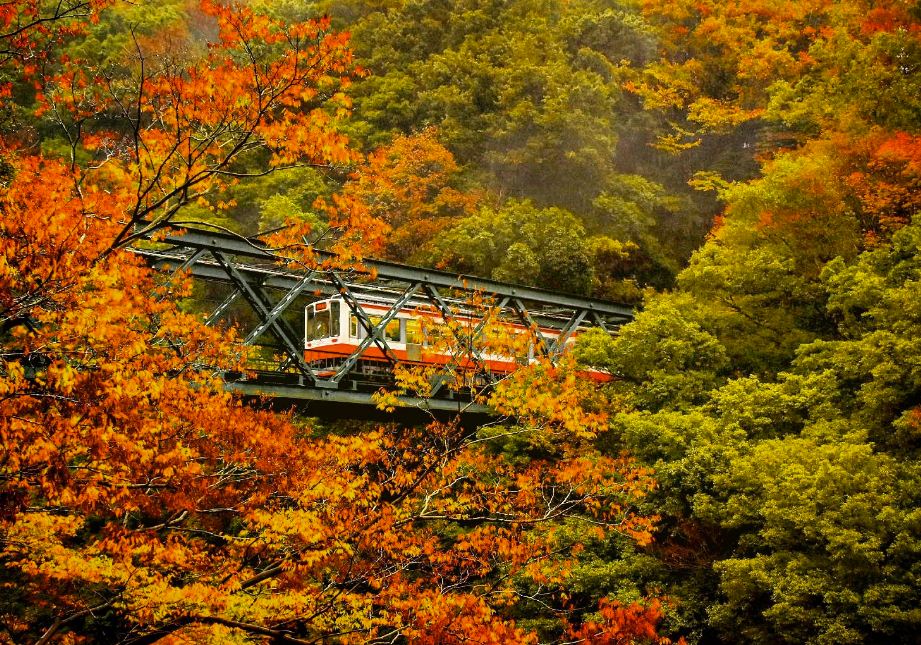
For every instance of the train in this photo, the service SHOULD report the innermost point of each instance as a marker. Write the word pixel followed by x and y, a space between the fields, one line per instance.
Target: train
pixel 332 333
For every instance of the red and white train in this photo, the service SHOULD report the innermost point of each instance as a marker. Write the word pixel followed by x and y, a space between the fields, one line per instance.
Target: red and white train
pixel 333 332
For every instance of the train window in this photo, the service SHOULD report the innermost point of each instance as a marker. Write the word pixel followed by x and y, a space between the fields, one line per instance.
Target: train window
pixel 391 331
pixel 355 328
pixel 334 327
pixel 414 333
pixel 317 323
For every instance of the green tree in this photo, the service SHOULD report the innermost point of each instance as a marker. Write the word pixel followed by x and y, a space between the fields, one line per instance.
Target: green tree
pixel 520 243
pixel 528 96
pixel 804 480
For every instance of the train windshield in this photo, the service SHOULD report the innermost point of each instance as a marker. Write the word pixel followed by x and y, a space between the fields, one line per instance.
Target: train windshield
pixel 322 320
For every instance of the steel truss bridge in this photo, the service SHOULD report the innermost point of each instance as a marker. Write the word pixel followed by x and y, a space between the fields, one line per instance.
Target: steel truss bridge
pixel 243 282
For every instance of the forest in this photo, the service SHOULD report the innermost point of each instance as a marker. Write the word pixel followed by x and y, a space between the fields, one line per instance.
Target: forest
pixel 746 174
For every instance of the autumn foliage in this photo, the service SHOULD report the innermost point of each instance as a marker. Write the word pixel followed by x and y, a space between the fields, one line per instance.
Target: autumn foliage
pixel 140 499
pixel 175 128
pixel 722 61
pixel 738 464
pixel 620 625
pixel 413 187
pixel 886 181
pixel 140 502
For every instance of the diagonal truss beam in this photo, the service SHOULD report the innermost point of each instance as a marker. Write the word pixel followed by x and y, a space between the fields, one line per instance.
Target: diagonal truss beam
pixel 467 345
pixel 558 345
pixel 278 309
pixel 540 342
pixel 363 318
pixel 260 304
pixel 222 308
pixel 375 333
pixel 600 321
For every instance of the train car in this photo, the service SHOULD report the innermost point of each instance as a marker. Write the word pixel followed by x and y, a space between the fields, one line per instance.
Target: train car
pixel 333 332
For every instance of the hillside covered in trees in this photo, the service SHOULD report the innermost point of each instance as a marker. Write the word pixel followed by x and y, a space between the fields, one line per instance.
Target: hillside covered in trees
pixel 747 174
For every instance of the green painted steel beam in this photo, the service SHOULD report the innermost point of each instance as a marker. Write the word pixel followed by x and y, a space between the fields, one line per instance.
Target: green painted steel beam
pixel 299 394
pixel 240 246
pixel 285 281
